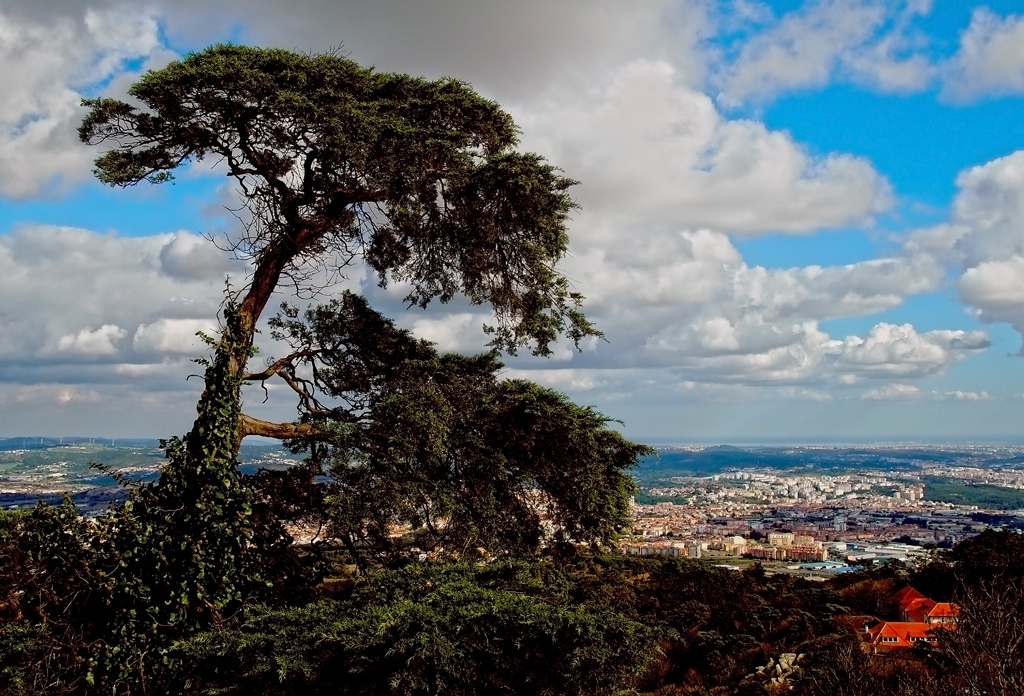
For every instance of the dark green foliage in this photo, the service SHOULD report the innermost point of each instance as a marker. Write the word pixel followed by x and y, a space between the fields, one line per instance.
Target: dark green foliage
pixel 871 594
pixel 54 578
pixel 439 442
pixel 989 553
pixel 984 577
pixel 972 561
pixel 184 546
pixel 838 665
pixel 420 176
pixel 717 625
pixel 569 623
pixel 985 652
pixel 936 578
pixel 576 624
pixel 458 630
pixel 982 495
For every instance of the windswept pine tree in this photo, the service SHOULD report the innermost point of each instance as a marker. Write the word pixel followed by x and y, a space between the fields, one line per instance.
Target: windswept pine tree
pixel 337 166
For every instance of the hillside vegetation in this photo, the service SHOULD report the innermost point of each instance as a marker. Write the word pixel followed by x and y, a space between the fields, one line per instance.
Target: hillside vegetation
pixel 566 622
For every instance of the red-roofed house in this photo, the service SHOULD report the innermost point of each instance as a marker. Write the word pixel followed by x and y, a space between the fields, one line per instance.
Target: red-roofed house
pixel 942 613
pixel 890 635
pixel 919 616
pixel 907 594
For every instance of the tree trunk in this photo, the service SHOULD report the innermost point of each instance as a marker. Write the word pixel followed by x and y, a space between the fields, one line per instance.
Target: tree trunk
pixel 224 375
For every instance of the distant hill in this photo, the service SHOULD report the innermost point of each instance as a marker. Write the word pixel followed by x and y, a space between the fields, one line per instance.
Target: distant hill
pixel 25 462
pixel 34 443
pixel 41 468
pixel 707 461
pixel 100 444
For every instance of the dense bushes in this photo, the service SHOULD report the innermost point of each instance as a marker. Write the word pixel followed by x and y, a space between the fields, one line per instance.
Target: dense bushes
pixel 568 623
pixel 571 622
pixel 580 624
pixel 453 629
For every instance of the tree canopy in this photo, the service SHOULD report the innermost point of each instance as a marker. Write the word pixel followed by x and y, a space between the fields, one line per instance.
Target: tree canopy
pixel 439 442
pixel 336 162
pixel 421 180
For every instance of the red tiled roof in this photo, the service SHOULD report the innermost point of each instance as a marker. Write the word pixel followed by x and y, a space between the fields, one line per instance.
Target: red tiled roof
pixel 943 610
pixel 917 609
pixel 906 594
pixel 889 635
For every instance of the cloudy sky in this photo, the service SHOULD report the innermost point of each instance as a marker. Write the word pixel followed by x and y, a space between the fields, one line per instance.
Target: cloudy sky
pixel 799 220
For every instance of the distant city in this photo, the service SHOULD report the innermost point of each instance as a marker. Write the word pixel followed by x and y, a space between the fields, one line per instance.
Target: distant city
pixel 821 510
pixel 810 510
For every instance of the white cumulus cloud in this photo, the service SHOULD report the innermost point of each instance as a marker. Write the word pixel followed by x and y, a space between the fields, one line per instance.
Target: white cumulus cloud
pixel 689 300
pixel 190 256
pixel 985 240
pixel 991 57
pixel 892 392
pixel 960 395
pixel 101 341
pixel 653 152
pixel 867 41
pixel 456 332
pixel 46 67
pixel 55 281
pixel 900 351
pixel 174 336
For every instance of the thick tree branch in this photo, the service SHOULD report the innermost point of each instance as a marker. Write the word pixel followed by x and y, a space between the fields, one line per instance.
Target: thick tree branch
pixel 269 267
pixel 278 365
pixel 278 431
pixel 285 369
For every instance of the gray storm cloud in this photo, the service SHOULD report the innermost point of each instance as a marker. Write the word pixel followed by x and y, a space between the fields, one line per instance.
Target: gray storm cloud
pixel 505 49
pixel 192 257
